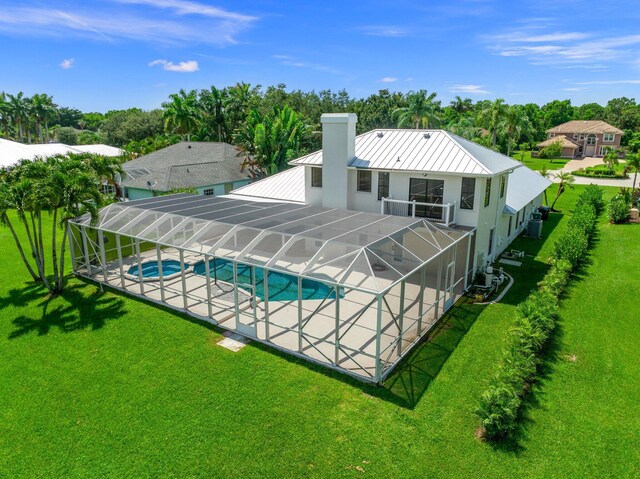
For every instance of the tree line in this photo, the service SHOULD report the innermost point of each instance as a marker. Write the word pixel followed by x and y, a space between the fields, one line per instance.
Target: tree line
pixel 273 125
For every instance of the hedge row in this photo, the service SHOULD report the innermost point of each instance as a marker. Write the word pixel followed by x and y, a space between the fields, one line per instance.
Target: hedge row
pixel 501 403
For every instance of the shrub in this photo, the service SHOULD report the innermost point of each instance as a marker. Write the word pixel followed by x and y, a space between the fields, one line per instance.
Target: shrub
pixel 592 194
pixel 618 209
pixel 571 246
pixel 554 150
pixel 67 135
pixel 498 410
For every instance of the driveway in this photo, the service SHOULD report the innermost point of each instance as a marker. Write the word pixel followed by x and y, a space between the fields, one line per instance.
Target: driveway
pixel 573 165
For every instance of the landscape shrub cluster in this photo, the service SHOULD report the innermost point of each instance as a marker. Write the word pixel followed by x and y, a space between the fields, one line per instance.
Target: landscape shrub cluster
pixel 600 172
pixel 501 403
pixel 619 208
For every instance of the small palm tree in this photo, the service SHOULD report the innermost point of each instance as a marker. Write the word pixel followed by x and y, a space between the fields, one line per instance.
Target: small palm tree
pixel 493 116
pixel 421 111
pixel 633 162
pixel 565 180
pixel 545 174
pixel 180 114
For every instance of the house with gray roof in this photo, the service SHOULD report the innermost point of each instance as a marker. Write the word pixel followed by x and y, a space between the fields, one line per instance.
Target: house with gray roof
pixel 213 169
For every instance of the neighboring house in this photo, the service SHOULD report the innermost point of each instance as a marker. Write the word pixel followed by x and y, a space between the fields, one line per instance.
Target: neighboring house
pixel 213 169
pixel 424 173
pixel 11 151
pixel 582 138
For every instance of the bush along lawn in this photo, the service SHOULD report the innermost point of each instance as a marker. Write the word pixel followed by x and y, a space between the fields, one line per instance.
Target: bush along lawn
pixel 501 403
pixel 602 171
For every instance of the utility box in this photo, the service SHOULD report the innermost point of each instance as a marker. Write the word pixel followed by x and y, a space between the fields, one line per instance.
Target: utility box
pixel 534 228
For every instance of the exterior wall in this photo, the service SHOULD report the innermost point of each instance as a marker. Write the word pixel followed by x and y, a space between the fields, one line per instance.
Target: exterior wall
pixel 313 196
pixel 218 189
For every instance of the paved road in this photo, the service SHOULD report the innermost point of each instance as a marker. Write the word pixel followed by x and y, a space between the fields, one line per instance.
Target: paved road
pixel 581 180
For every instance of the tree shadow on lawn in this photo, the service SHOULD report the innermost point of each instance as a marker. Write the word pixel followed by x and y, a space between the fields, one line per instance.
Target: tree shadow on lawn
pixel 73 310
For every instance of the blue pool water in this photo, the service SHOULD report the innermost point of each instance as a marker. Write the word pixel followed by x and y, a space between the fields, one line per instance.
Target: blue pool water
pixel 282 287
pixel 150 268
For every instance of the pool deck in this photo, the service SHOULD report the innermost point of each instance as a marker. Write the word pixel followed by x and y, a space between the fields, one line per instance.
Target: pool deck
pixel 312 331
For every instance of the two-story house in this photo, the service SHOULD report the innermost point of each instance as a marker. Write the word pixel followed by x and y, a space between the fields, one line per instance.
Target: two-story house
pixel 423 173
pixel 580 138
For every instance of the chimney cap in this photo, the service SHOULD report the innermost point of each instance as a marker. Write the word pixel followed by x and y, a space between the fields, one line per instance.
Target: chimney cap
pixel 339 118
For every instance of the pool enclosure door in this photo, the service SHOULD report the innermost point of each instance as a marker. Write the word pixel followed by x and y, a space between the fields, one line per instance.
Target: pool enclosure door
pixel 449 283
pixel 246 320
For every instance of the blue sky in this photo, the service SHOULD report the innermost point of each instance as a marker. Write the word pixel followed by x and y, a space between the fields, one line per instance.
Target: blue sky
pixel 111 54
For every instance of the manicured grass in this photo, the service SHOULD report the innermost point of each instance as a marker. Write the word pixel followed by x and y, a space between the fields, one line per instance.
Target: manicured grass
pixel 98 384
pixel 539 163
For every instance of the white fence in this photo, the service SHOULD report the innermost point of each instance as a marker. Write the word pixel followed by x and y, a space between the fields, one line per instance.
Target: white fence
pixel 438 213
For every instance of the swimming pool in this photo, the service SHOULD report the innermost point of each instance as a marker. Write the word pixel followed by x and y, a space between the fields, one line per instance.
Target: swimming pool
pixel 150 269
pixel 282 287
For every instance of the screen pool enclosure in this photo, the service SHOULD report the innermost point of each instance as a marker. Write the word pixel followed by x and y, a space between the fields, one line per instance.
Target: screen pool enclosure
pixel 350 290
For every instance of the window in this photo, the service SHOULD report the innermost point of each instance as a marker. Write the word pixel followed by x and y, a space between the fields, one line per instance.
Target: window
pixel 316 177
pixel 608 137
pixel 551 135
pixel 510 225
pixel 492 233
pixel 487 192
pixel 503 184
pixel 383 185
pixel 227 188
pixel 591 139
pixel 605 149
pixel 575 136
pixel 364 181
pixel 208 192
pixel 467 195
pixel 582 136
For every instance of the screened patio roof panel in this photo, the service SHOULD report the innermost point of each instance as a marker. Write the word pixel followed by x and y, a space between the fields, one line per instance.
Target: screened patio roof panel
pixel 349 248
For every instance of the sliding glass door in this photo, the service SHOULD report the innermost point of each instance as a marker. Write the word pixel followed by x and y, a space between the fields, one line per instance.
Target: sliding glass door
pixel 424 190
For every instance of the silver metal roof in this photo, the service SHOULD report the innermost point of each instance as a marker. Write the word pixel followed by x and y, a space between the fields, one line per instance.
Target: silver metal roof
pixel 365 251
pixel 524 186
pixel 285 186
pixel 435 151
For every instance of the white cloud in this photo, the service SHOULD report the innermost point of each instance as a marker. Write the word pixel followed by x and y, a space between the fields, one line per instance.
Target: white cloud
pixel 182 7
pixel 183 67
pixel 574 89
pixel 184 23
pixel 469 89
pixel 610 82
pixel 388 79
pixel 564 49
pixel 67 63
pixel 385 31
pixel 294 62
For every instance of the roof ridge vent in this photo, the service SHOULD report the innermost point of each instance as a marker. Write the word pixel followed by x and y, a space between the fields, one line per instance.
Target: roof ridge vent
pixel 426 135
pixel 380 134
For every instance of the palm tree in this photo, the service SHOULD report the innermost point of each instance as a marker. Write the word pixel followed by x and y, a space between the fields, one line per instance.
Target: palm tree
pixel 461 106
pixel 10 200
pixel 180 114
pixel 515 124
pixel 633 162
pixel 566 179
pixel 421 111
pixel 43 111
pixel 545 174
pixel 18 112
pixel 493 116
pixel 213 103
pixel 5 114
pixel 106 168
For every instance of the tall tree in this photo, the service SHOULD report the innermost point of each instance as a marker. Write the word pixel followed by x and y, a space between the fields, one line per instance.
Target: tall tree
pixel 43 111
pixel 492 117
pixel 181 114
pixel 5 114
pixel 213 105
pixel 633 162
pixel 421 111
pixel 516 124
pixel 461 106
pixel 18 110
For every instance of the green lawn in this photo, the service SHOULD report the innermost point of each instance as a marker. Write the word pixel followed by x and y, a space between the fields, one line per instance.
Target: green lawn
pixel 539 163
pixel 102 385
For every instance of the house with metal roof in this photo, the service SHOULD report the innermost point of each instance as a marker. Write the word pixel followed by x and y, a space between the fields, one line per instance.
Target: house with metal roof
pixel 11 152
pixel 212 169
pixel 431 174
pixel 580 138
